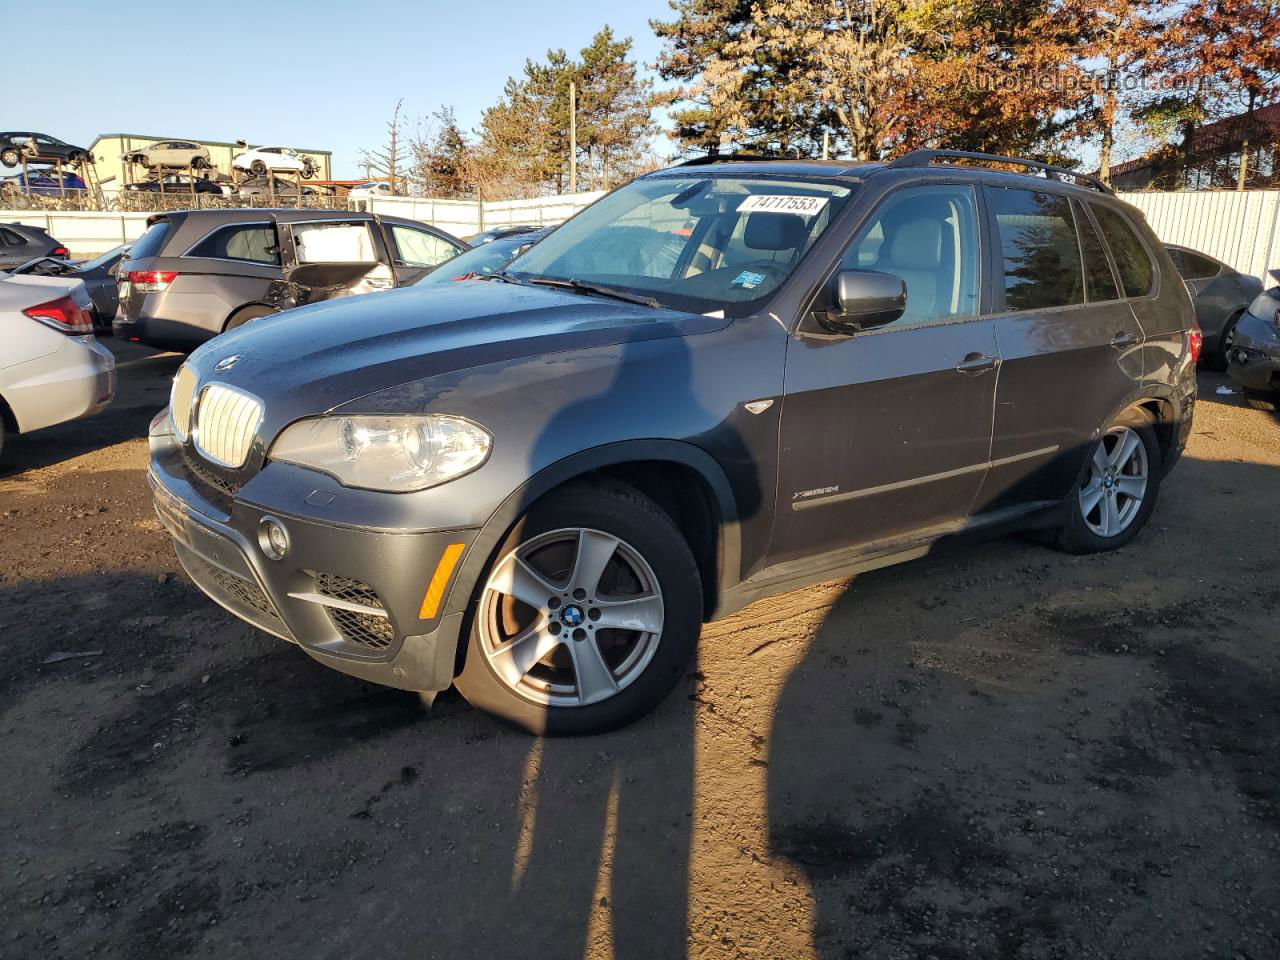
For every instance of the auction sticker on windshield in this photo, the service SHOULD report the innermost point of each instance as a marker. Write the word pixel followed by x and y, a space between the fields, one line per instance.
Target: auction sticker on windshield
pixel 777 203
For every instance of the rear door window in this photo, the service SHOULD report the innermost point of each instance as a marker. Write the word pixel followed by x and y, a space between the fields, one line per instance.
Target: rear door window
pixel 334 243
pixel 1137 273
pixel 250 242
pixel 1042 267
pixel 1099 281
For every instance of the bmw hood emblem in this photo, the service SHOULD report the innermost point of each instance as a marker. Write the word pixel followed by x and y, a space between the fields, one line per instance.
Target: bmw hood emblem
pixel 226 363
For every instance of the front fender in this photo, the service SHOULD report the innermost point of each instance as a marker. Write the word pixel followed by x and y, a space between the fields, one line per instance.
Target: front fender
pixel 469 579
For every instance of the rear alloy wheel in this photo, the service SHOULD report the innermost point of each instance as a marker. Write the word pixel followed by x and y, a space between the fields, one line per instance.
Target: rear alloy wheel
pixel 587 617
pixel 9 157
pixel 258 168
pixel 1118 491
pixel 1226 340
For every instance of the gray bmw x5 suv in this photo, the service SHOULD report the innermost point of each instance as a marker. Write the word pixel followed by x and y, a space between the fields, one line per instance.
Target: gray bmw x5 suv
pixel 721 381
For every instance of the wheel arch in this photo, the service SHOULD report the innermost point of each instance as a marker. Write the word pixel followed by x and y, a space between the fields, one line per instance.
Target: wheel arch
pixel 1162 405
pixel 253 304
pixel 657 468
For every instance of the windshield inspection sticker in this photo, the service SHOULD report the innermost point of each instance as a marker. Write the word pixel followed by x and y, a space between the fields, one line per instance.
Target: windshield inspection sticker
pixel 776 203
pixel 748 279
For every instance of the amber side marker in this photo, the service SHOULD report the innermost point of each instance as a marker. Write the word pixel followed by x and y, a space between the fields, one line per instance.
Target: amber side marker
pixel 440 580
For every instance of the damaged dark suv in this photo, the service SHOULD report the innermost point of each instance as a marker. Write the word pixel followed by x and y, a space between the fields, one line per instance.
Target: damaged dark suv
pixel 721 381
pixel 197 273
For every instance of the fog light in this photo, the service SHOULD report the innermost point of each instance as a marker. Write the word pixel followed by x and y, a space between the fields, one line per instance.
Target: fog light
pixel 273 539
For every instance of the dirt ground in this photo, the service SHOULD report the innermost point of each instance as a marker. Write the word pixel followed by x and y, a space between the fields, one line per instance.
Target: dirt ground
pixel 1003 752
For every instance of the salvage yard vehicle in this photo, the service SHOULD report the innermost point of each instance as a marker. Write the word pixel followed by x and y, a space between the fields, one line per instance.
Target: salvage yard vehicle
pixel 98 276
pixel 196 273
pixel 1220 294
pixel 170 153
pixel 259 160
pixel 52 369
pixel 20 242
pixel 1254 358
pixel 38 148
pixel 41 183
pixel 721 381
pixel 175 183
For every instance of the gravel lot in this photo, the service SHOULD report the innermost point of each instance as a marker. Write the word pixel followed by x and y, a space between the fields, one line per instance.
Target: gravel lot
pixel 1004 752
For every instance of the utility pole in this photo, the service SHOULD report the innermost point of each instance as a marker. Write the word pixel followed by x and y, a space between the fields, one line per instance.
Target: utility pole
pixel 573 137
pixel 826 144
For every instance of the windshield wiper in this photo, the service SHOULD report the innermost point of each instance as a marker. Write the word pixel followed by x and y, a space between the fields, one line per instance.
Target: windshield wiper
pixel 500 275
pixel 582 286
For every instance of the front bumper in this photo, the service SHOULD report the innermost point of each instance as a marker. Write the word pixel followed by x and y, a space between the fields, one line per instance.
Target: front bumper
pixel 1254 360
pixel 368 602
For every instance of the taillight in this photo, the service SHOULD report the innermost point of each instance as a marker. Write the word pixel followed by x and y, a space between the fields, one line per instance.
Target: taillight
pixel 151 281
pixel 63 315
pixel 60 252
pixel 1195 342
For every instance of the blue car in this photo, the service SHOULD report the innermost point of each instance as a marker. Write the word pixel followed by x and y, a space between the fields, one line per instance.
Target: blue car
pixel 43 183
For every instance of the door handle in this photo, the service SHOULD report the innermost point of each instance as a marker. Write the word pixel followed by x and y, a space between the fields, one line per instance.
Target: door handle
pixel 1123 339
pixel 978 363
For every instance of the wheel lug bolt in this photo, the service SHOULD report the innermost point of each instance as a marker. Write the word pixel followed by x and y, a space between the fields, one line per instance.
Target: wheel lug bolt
pixel 554 603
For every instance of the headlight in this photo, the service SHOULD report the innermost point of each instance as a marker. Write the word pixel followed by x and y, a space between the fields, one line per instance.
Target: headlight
pixel 394 453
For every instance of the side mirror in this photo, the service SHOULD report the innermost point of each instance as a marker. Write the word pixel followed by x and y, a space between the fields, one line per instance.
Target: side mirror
pixel 865 299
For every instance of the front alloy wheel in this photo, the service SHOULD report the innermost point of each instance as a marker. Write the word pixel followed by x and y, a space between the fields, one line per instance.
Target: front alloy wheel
pixel 571 617
pixel 588 615
pixel 1112 493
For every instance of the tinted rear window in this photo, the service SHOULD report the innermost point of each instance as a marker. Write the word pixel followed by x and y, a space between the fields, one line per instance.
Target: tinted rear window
pixel 1192 266
pixel 152 241
pixel 1137 273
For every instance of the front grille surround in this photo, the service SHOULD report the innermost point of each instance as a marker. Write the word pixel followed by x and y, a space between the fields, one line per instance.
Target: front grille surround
pixel 181 399
pixel 226 424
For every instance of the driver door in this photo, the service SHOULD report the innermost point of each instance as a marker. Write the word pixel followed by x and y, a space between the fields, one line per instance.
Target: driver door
pixel 887 432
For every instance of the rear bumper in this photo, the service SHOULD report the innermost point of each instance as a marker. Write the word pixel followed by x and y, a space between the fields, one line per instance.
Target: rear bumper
pixel 1254 362
pixel 175 319
pixel 355 599
pixel 76 380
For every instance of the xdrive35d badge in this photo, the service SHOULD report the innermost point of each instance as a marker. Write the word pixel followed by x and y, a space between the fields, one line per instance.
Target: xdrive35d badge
pixel 538 485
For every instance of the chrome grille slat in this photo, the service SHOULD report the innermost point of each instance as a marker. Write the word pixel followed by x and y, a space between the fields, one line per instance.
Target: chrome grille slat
pixel 226 421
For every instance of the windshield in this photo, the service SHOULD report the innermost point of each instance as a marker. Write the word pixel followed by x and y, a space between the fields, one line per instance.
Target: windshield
pixel 692 243
pixel 478 261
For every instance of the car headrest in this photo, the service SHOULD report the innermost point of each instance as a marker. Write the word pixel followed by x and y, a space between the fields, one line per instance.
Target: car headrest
pixel 917 246
pixel 774 231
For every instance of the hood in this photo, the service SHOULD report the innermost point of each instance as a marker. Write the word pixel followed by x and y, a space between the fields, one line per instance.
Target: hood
pixel 306 361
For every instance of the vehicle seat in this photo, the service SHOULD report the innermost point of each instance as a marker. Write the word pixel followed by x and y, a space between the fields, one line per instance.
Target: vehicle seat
pixel 915 255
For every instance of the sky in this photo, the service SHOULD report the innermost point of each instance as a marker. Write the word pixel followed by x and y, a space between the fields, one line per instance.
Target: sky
pixel 316 74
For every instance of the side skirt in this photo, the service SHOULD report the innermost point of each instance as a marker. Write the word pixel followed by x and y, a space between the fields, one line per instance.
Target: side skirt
pixel 849 561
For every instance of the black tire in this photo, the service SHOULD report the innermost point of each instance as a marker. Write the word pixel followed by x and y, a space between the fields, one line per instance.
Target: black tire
pixel 627 515
pixel 4 439
pixel 1218 359
pixel 245 314
pixel 1076 535
pixel 10 157
pixel 258 168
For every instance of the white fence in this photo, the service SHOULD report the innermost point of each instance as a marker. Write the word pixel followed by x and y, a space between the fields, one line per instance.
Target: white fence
pixel 1242 229
pixel 88 234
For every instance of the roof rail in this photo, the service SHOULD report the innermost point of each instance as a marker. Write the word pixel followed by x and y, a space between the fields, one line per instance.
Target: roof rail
pixel 728 158
pixel 923 158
